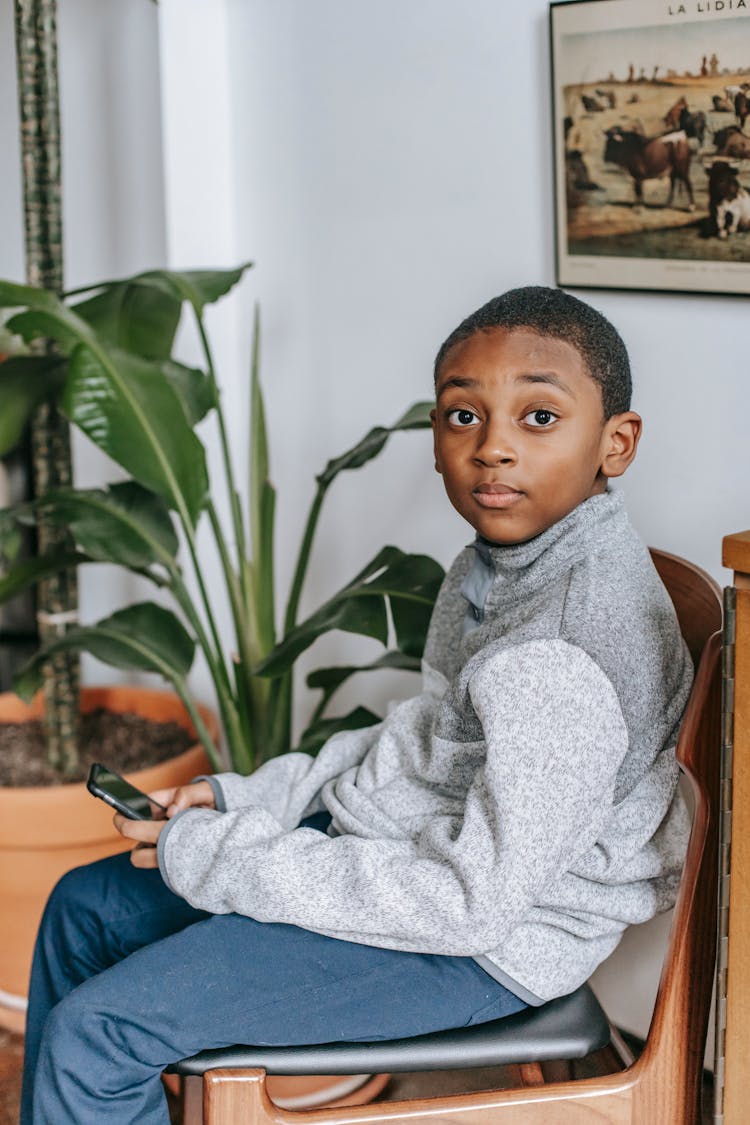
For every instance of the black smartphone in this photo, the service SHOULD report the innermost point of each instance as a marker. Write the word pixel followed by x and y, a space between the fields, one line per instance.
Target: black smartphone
pixel 120 794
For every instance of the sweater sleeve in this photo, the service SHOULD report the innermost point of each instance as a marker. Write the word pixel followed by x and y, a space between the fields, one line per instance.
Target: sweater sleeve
pixel 288 787
pixel 555 737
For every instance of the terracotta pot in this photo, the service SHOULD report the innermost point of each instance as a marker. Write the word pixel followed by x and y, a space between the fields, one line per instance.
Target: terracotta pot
pixel 47 830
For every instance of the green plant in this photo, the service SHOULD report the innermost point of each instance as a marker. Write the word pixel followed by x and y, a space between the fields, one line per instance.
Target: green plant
pixel 114 376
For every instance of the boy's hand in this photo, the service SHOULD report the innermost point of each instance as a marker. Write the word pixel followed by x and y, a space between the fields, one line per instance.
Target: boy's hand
pixel 182 797
pixel 146 832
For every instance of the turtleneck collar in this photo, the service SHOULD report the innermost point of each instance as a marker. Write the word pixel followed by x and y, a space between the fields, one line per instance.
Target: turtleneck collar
pixel 524 568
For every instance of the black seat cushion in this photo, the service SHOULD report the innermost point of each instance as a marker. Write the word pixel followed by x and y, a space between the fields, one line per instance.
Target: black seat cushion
pixel 567 1028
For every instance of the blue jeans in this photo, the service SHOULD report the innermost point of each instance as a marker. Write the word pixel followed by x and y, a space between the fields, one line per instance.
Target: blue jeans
pixel 127 977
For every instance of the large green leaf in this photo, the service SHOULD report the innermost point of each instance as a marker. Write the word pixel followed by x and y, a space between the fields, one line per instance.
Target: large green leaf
pixel 392 573
pixel 129 409
pixel 317 733
pixel 411 583
pixel 138 314
pixel 46 317
pixel 416 577
pixel 199 287
pixel 125 524
pixel 417 417
pixel 15 296
pixel 134 316
pixel 25 381
pixel 364 451
pixel 26 574
pixel 193 388
pixel 43 325
pixel 329 680
pixel 11 540
pixel 366 616
pixel 410 622
pixel 142 638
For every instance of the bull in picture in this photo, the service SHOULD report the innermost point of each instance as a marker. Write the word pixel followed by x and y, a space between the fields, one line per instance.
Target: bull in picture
pixel 650 158
pixel 733 213
pixel 723 185
pixel 732 142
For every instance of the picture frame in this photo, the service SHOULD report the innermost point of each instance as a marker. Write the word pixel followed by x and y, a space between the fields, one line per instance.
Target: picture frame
pixel 651 135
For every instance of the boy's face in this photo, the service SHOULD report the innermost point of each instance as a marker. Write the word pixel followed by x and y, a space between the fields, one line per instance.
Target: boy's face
pixel 520 435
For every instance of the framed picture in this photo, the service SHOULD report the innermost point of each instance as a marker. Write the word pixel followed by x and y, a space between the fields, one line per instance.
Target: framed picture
pixel 651 115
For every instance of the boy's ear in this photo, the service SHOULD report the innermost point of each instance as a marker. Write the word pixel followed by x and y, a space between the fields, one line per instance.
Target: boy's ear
pixel 620 438
pixel 433 419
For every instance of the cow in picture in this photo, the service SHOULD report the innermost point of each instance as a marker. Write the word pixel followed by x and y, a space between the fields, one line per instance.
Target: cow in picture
pixel 733 213
pixel 723 186
pixel 742 107
pixel 651 158
pixel 672 117
pixel 680 117
pixel 694 124
pixel 577 178
pixel 732 142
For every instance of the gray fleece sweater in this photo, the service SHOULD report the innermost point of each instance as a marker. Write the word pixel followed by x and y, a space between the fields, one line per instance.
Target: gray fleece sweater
pixel 522 810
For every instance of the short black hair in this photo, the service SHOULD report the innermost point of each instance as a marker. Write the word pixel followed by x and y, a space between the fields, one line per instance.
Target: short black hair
pixel 552 312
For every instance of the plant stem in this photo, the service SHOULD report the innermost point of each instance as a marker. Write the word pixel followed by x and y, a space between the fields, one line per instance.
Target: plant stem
pixel 256 692
pixel 200 727
pixel 280 711
pixel 282 693
pixel 303 558
pixel 36 50
pixel 261 508
pixel 216 666
pixel 234 502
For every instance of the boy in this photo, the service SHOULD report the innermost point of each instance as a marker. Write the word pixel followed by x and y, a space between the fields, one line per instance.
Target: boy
pixel 482 848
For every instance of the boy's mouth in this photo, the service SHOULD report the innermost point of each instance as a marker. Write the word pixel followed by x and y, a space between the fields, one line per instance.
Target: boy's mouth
pixel 497 495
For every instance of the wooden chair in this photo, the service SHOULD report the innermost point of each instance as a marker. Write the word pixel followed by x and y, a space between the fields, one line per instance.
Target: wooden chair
pixel 662 1087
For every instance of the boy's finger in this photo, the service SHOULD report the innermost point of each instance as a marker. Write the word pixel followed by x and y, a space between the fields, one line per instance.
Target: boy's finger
pixel 164 796
pixel 143 831
pixel 144 856
pixel 197 793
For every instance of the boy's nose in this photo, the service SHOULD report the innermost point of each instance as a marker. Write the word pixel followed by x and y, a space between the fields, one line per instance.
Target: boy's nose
pixel 495 446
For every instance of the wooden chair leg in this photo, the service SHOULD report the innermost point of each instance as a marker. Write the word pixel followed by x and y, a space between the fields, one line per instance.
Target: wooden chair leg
pixel 622 1050
pixel 192 1100
pixel 232 1096
pixel 558 1070
pixel 531 1074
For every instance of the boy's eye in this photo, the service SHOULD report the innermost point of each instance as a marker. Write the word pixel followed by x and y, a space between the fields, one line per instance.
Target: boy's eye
pixel 540 418
pixel 462 417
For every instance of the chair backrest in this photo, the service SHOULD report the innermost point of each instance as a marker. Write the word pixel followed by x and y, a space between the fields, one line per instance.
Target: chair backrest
pixel 696 598
pixel 662 1087
pixel 673 1056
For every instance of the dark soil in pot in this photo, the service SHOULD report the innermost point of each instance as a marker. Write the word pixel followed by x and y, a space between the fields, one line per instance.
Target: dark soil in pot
pixel 123 740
